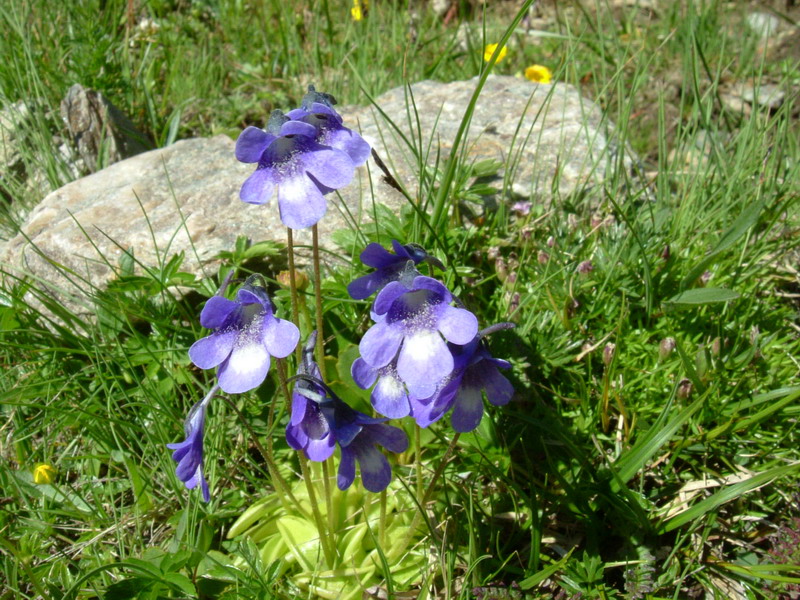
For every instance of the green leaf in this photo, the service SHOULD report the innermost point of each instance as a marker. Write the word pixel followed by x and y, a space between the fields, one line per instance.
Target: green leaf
pixel 656 437
pixel 738 228
pixel 700 296
pixel 180 582
pixel 732 492
pixel 126 263
pixel 127 588
pixel 545 573
pixel 262 249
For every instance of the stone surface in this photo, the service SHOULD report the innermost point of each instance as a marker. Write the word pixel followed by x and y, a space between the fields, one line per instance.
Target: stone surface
pixel 102 134
pixel 542 129
pixel 744 96
pixel 763 24
pixel 184 198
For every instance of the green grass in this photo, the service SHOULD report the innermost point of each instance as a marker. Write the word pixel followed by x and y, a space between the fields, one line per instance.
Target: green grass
pixel 619 471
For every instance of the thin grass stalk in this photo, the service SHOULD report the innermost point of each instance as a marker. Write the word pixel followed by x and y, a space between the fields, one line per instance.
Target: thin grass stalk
pixel 382 522
pixel 426 498
pixel 418 461
pixel 324 538
pixel 443 193
pixel 326 480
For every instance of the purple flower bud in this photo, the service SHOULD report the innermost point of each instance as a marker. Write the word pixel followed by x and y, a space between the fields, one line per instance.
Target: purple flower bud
pixel 608 353
pixel 189 453
pixel 666 346
pixel 522 208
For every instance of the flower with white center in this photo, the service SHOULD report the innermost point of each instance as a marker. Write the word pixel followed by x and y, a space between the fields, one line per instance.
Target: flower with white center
pixel 289 157
pixel 411 327
pixel 246 334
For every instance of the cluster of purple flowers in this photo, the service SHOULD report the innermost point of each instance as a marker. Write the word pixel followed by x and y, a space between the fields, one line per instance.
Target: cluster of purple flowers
pixel 321 419
pixel 424 354
pixel 306 154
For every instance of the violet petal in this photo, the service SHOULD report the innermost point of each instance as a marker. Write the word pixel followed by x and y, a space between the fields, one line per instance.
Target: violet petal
pixel 380 344
pixel 458 325
pixel 423 362
pixel 390 398
pixel 468 409
pixel 258 188
pixel 210 351
pixel 245 369
pixel 300 201
pixel 363 374
pixel 280 337
pixel 251 144
pixel 216 310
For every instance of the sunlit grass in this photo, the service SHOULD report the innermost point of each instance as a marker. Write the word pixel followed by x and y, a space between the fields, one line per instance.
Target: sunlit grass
pixel 621 467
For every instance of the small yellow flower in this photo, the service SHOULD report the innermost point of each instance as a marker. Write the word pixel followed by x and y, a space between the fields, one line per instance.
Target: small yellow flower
pixel 359 9
pixel 489 50
pixel 539 74
pixel 43 473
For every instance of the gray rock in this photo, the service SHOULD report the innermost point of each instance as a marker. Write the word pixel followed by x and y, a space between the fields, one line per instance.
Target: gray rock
pixel 184 198
pixel 766 95
pixel 743 97
pixel 13 119
pixel 763 24
pixel 547 132
pixel 100 131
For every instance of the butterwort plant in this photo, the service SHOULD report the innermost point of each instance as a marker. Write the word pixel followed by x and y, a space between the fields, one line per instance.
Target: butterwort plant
pixel 424 355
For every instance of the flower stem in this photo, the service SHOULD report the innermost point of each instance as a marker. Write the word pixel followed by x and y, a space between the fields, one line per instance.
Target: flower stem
pixel 382 523
pixel 324 538
pixel 318 299
pixel 431 486
pixel 293 287
pixel 418 461
pixel 326 479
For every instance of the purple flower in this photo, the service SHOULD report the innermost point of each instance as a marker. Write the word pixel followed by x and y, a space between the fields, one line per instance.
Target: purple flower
pixel 307 429
pixel 408 333
pixel 389 397
pixel 475 372
pixel 330 131
pixel 302 169
pixel 189 453
pixel 359 436
pixel 246 334
pixel 389 267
